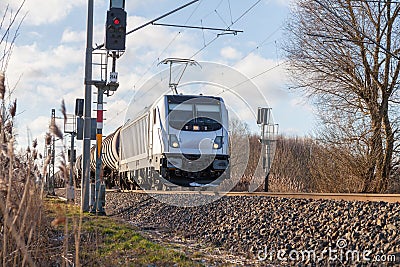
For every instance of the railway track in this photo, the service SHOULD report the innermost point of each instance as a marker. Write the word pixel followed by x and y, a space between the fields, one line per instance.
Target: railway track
pixel 389 198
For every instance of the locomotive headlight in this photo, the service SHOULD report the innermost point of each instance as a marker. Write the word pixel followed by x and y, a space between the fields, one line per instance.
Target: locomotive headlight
pixel 173 141
pixel 175 144
pixel 218 142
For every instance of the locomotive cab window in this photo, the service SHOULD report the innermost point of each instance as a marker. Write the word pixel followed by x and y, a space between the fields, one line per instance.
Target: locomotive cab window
pixel 195 117
pixel 179 114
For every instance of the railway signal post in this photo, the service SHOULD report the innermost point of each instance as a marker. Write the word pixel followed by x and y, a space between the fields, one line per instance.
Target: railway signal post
pixel 70 128
pixel 96 194
pixel 97 190
pixel 52 153
pixel 268 132
pixel 114 43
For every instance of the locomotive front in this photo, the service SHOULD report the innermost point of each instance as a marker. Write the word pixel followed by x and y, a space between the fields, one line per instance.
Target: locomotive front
pixel 195 140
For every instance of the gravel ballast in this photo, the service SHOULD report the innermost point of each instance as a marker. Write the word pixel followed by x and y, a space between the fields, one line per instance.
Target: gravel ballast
pixel 275 230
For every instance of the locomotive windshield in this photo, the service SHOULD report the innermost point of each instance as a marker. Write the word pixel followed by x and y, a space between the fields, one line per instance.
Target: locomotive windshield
pixel 195 115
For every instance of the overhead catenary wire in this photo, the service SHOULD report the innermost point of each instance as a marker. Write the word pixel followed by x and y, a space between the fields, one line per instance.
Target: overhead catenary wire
pixel 375 1
pixel 156 60
pixel 234 22
pixel 263 42
pixel 209 43
pixel 165 49
pixel 162 16
pixel 214 39
pixel 220 17
pixel 218 5
pixel 230 10
pixel 251 78
pixel 261 73
pixel 197 27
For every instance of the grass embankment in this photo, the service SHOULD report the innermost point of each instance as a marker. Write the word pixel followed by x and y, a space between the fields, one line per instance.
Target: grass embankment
pixel 104 241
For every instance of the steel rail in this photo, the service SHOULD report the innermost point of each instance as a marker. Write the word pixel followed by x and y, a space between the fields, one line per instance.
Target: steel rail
pixel 364 197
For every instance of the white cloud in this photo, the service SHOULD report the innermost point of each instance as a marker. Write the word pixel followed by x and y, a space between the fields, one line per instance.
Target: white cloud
pixel 286 2
pixel 115 114
pixel 39 124
pixel 47 76
pixel 70 36
pixel 33 62
pixel 45 12
pixel 38 128
pixel 272 76
pixel 57 72
pixel 230 53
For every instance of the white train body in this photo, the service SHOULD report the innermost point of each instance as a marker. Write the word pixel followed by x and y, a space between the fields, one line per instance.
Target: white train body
pixel 181 139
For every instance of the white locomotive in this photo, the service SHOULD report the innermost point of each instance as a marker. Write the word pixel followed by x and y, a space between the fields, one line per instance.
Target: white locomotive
pixel 179 140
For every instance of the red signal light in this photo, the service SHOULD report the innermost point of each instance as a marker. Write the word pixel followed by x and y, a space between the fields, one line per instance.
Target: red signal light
pixel 116 21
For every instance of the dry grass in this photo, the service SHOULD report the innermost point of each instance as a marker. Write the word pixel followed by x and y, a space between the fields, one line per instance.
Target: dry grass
pixel 301 165
pixel 22 233
pixel 290 170
pixel 42 231
pixel 26 235
pixel 102 241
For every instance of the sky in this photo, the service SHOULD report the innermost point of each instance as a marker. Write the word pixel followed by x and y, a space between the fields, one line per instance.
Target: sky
pixel 47 62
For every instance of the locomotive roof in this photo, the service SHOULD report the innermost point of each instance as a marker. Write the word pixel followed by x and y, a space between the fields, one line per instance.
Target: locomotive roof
pixel 177 99
pixel 183 98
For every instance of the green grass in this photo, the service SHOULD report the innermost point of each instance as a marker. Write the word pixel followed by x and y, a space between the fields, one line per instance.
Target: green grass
pixel 108 242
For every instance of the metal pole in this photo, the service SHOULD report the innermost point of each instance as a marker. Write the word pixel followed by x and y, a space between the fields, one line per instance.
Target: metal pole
pixel 70 189
pixel 98 205
pixel 3 119
pixel 45 177
pixel 265 159
pixel 87 113
pixel 268 164
pixel 53 154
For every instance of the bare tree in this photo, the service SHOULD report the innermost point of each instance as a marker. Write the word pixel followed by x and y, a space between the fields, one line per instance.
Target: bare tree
pixel 345 56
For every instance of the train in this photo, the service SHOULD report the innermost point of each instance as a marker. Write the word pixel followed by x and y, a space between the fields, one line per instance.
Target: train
pixel 179 140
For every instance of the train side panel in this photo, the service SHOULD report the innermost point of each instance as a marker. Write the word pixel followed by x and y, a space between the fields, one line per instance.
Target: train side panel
pixel 134 144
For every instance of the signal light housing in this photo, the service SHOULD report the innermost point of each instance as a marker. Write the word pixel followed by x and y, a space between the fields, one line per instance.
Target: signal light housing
pixel 115 29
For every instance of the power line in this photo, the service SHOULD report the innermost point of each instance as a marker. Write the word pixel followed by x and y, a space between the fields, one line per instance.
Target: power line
pixel 206 45
pixel 198 27
pixel 157 59
pixel 162 16
pixel 261 73
pixel 375 1
pixel 240 17
pixel 263 42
